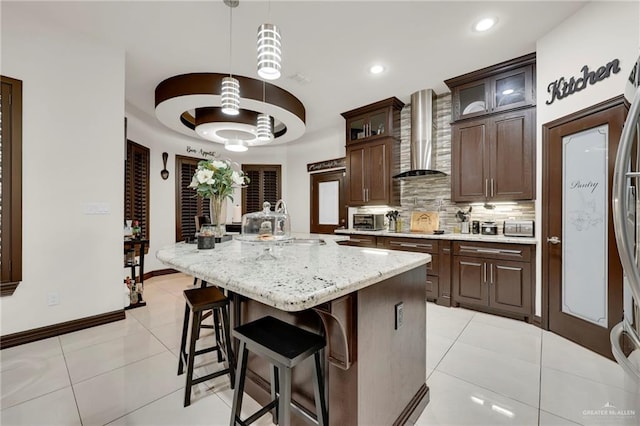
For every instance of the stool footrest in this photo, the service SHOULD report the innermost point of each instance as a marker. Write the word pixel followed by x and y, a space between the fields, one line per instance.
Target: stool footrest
pixel 206 350
pixel 261 412
pixel 210 376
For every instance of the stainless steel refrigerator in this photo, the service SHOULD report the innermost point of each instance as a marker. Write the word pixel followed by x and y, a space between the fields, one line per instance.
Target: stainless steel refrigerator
pixel 625 337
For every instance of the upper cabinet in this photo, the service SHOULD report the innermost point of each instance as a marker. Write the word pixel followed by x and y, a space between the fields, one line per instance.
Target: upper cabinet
pixel 498 88
pixel 373 153
pixel 493 158
pixel 374 121
pixel 493 133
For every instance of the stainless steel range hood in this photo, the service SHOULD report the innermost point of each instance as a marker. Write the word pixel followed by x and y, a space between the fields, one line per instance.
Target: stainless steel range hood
pixel 423 134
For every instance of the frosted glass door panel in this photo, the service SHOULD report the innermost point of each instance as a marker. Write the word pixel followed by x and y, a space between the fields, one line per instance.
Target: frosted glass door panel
pixel 584 228
pixel 328 199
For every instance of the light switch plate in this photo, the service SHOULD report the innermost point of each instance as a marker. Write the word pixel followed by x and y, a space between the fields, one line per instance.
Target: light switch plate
pixel 96 208
pixel 399 315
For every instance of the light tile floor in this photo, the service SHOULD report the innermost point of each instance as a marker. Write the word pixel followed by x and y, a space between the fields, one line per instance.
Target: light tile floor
pixel 482 370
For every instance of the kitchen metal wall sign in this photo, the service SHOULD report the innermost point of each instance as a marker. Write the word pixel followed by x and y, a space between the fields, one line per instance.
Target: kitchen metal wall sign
pixel 562 88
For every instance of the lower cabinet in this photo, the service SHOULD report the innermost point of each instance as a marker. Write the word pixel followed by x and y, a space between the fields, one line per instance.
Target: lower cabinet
pixel 358 240
pixel 438 270
pixel 496 278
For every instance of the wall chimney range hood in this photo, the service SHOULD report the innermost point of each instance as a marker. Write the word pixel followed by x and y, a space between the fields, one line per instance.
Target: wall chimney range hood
pixel 423 134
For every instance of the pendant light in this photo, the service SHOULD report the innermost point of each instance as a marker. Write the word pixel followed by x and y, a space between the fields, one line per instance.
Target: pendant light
pixel 269 51
pixel 235 145
pixel 230 93
pixel 264 132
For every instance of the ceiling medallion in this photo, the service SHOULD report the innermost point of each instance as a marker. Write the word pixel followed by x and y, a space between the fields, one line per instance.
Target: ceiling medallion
pixel 191 104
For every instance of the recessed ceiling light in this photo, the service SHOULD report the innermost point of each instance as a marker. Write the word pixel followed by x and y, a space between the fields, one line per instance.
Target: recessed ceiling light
pixel 376 69
pixel 485 24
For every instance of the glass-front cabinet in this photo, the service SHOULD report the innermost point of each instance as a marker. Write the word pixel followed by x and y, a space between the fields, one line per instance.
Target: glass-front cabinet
pixel 495 89
pixel 374 121
pixel 472 99
pixel 513 89
pixel 373 124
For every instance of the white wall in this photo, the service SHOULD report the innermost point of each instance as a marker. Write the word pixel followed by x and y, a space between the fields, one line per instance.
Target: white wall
pixel 593 36
pixel 320 146
pixel 73 153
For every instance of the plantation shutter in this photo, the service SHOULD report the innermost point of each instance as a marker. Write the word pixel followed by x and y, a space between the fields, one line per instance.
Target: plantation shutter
pixel 188 205
pixel 264 185
pixel 10 185
pixel 136 181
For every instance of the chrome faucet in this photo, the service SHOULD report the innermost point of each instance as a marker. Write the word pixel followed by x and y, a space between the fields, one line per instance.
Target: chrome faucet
pixel 281 207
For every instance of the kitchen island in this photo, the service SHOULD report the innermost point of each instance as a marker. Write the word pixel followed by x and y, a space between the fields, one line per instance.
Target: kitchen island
pixel 368 302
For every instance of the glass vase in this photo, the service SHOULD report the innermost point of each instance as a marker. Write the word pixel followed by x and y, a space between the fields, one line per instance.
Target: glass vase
pixel 217 220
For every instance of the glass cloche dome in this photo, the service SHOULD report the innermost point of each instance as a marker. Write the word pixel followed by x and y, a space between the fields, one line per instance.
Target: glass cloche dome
pixel 266 225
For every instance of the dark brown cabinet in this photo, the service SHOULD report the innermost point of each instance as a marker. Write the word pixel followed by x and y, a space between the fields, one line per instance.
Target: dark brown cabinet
pixel 504 86
pixel 493 158
pixel 374 121
pixel 358 240
pixel 373 153
pixel 494 277
pixel 369 169
pixel 493 132
pixel 438 270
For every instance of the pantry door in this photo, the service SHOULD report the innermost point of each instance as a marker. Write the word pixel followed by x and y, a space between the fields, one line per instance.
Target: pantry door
pixel 328 209
pixel 581 270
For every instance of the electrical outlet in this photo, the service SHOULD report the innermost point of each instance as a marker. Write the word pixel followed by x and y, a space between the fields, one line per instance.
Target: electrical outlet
pixel 53 299
pixel 399 315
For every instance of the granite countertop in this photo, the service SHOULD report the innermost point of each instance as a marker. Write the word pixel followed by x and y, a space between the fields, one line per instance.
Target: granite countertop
pixel 447 236
pixel 302 276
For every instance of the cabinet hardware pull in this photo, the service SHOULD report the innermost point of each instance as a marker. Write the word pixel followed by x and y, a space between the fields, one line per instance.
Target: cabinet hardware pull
pixel 486 188
pixel 484 272
pixel 491 187
pixel 492 251
pixel 413 245
pixel 491 272
pixel 554 240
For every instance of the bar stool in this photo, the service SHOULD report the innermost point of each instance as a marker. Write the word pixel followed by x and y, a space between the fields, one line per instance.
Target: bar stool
pixel 199 300
pixel 284 346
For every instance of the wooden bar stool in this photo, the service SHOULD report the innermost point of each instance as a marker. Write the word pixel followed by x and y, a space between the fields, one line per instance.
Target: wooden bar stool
pixel 284 346
pixel 199 300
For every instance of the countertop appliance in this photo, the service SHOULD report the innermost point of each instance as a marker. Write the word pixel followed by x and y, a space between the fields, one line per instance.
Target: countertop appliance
pixel 626 225
pixel 488 228
pixel 368 221
pixel 518 228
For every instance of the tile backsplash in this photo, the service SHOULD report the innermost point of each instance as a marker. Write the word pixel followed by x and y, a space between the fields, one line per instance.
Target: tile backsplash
pixel 433 193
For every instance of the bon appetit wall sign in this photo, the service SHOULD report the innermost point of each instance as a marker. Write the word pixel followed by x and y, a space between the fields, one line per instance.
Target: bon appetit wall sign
pixel 562 87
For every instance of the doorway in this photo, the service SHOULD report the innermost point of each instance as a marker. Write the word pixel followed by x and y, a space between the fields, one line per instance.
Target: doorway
pixel 328 210
pixel 581 270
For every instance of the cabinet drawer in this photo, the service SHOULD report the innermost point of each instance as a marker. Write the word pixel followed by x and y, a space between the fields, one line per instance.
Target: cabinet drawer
pixel 412 244
pixel 493 250
pixel 361 241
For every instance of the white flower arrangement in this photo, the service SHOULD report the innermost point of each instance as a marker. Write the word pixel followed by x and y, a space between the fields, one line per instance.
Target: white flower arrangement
pixel 217 179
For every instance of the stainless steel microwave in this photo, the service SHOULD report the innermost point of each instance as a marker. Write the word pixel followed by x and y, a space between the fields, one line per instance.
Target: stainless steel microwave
pixel 368 221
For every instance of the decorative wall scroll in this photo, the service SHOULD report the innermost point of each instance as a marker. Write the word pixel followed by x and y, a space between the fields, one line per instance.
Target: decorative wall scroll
pixel 338 163
pixel 202 152
pixel 562 88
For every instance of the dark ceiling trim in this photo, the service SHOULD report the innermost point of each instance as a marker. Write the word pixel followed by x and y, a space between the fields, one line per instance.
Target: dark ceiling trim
pixel 210 83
